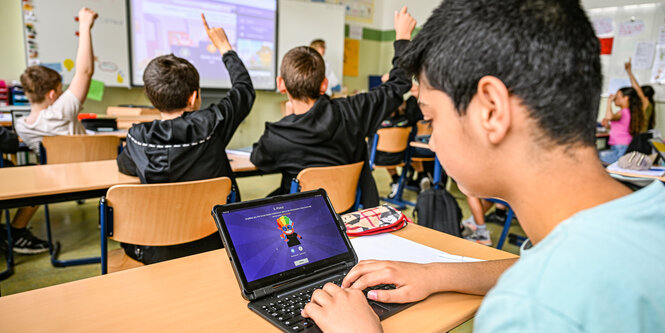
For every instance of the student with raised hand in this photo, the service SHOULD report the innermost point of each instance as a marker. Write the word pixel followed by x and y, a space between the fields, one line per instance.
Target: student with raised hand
pixel 645 94
pixel 624 124
pixel 188 143
pixel 52 112
pixel 596 261
pixel 328 132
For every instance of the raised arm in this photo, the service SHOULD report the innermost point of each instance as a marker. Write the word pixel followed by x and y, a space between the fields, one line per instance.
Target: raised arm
pixel 609 115
pixel 237 103
pixel 371 108
pixel 636 85
pixel 85 66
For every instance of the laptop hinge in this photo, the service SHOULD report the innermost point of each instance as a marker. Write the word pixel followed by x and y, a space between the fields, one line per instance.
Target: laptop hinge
pixel 294 283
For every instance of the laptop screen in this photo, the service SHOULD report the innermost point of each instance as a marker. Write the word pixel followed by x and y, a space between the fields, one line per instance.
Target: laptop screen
pixel 276 237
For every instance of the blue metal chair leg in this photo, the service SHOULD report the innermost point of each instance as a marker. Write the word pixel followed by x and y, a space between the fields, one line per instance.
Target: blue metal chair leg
pixel 506 228
pixel 54 248
pixel 103 228
pixel 397 200
pixel 438 170
pixel 9 270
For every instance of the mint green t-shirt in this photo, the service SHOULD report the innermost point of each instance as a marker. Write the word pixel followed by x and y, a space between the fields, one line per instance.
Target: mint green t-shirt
pixel 601 270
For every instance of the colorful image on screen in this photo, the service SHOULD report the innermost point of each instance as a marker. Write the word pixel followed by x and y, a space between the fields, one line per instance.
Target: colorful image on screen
pixel 275 238
pixel 159 27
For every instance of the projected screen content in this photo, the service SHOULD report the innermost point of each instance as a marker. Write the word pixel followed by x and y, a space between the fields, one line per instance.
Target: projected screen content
pixel 161 27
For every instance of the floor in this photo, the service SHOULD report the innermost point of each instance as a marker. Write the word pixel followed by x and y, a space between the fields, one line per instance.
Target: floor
pixel 75 226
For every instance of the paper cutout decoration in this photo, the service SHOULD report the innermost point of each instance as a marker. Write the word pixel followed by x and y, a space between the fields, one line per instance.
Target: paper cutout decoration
pixel 120 78
pixel 351 56
pixel 606 45
pixel 96 91
pixel 69 64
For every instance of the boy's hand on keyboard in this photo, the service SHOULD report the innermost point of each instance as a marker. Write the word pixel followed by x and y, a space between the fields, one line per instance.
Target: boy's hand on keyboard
pixel 341 310
pixel 410 280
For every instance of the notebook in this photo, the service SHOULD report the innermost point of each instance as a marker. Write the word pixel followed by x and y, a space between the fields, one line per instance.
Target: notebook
pixel 283 248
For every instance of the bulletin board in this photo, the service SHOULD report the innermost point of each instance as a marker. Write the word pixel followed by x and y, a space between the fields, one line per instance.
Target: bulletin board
pixel 50 29
pixel 631 31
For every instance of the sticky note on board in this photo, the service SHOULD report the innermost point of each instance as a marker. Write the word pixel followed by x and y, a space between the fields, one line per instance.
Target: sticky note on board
pixel 96 91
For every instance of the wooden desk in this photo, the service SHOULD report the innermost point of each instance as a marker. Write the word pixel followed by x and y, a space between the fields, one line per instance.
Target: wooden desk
pixel 636 175
pixel 200 293
pixel 41 184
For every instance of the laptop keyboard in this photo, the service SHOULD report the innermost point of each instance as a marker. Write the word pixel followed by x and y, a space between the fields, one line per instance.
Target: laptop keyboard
pixel 286 309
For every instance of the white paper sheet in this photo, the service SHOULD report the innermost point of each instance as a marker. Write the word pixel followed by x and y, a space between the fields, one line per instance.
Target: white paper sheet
pixel 653 171
pixel 643 56
pixel 391 247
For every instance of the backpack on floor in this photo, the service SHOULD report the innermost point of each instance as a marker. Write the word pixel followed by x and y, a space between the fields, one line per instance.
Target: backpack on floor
pixel 437 209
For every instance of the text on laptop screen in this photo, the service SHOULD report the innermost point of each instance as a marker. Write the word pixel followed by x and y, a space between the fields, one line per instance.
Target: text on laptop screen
pixel 277 237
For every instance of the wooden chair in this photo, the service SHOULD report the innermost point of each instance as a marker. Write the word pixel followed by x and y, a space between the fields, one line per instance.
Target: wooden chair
pixel 158 215
pixel 79 148
pixel 340 182
pixel 390 140
pixel 72 149
pixel 394 140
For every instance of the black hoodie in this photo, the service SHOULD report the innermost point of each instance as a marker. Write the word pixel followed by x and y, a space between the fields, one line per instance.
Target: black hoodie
pixel 332 132
pixel 190 147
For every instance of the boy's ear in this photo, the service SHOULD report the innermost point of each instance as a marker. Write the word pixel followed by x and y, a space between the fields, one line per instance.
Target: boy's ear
pixel 324 86
pixel 51 95
pixel 193 101
pixel 493 98
pixel 281 86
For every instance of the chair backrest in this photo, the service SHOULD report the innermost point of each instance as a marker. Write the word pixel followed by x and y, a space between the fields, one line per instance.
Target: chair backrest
pixel 340 182
pixel 166 214
pixel 393 139
pixel 80 148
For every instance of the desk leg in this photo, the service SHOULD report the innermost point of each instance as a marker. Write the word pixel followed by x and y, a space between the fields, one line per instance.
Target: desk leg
pixel 9 271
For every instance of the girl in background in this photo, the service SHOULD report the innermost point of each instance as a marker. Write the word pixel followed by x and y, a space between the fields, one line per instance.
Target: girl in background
pixel 623 124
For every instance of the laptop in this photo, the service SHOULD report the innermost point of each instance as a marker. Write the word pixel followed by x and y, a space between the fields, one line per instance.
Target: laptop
pixel 283 248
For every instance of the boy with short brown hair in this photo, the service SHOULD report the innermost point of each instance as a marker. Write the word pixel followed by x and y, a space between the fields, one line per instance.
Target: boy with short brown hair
pixel 319 131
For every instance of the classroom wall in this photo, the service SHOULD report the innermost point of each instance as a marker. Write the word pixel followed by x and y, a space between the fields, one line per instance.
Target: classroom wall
pixel 375 56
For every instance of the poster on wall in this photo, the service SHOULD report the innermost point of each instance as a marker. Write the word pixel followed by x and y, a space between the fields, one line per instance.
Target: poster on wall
pixel 351 56
pixel 643 56
pixel 356 10
pixel 658 71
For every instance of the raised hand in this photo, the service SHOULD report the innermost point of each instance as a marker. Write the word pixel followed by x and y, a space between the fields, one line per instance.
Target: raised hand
pixel 87 17
pixel 404 24
pixel 628 65
pixel 217 37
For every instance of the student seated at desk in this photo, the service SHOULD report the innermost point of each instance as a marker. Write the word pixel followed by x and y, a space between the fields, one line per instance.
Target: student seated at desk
pixel 597 260
pixel 624 124
pixel 186 144
pixel 23 241
pixel 52 112
pixel 323 131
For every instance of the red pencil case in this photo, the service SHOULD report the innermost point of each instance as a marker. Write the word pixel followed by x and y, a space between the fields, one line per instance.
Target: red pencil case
pixel 375 220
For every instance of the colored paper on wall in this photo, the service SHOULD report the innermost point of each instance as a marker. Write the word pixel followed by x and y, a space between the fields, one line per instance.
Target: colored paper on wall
pixel 631 28
pixel 96 91
pixel 658 71
pixel 351 56
pixel 606 45
pixel 617 83
pixel 56 66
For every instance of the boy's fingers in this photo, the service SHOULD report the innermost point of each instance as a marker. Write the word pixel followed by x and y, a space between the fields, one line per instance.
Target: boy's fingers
pixel 404 9
pixel 205 23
